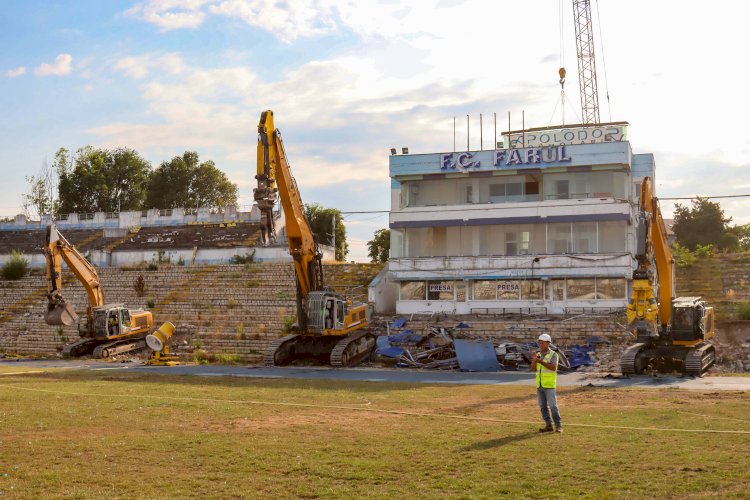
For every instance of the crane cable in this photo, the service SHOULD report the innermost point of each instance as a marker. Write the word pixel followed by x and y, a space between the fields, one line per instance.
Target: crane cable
pixel 376 410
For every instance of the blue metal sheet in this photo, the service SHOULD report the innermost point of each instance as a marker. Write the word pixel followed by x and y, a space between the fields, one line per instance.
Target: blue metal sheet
pixel 476 356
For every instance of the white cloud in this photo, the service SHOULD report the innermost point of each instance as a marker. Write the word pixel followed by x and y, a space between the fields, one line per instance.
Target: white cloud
pixel 170 14
pixel 62 66
pixel 289 20
pixel 13 73
pixel 140 66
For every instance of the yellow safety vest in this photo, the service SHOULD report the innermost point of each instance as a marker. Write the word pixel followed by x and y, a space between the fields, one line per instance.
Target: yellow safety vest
pixel 546 378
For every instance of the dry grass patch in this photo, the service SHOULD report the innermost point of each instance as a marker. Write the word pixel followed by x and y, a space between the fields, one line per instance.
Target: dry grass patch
pixel 124 435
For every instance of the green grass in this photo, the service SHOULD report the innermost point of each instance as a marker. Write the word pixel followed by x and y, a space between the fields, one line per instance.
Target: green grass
pixel 114 434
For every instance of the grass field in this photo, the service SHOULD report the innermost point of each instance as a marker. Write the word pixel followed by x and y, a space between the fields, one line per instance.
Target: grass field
pixel 110 434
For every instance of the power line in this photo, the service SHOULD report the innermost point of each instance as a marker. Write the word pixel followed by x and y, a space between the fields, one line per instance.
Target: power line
pixel 708 197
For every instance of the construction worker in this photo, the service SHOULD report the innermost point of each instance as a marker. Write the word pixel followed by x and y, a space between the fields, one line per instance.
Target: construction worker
pixel 544 364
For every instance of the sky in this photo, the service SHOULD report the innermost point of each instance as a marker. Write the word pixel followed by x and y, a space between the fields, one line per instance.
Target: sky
pixel 350 79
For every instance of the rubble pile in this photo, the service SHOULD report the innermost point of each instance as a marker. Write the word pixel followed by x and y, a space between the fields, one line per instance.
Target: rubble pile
pixel 438 350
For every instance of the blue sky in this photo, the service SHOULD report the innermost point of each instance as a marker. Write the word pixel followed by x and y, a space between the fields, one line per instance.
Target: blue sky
pixel 348 80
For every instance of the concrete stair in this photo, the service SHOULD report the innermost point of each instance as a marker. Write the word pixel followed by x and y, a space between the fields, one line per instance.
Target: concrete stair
pixel 228 309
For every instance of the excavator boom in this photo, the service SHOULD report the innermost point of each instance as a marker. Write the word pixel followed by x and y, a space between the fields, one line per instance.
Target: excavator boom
pixel 670 331
pixel 328 327
pixel 59 312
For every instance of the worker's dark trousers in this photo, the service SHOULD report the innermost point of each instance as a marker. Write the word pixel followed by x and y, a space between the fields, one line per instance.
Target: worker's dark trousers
pixel 548 402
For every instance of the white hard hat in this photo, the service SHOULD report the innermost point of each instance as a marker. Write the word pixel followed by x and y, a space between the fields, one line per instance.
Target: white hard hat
pixel 545 338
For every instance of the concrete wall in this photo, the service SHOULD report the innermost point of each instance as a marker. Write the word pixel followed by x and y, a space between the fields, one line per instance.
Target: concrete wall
pixel 125 258
pixel 128 219
pixel 383 292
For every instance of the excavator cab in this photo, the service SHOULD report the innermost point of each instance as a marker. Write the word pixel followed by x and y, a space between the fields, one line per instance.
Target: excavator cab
pixel 692 321
pixel 111 321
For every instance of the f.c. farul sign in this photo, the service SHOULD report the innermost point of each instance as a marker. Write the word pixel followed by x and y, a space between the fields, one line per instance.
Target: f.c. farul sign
pixel 504 158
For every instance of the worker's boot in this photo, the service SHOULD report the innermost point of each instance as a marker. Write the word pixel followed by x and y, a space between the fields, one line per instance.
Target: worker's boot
pixel 559 429
pixel 547 428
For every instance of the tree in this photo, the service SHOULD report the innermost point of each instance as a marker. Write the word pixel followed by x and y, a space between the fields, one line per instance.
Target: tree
pixel 185 182
pixel 41 199
pixel 380 245
pixel 703 224
pixel 102 180
pixel 321 223
pixel 38 200
pixel 743 236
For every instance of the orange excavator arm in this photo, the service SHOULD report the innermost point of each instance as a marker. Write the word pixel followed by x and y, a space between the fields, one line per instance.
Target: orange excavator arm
pixel 647 311
pixel 274 175
pixel 57 249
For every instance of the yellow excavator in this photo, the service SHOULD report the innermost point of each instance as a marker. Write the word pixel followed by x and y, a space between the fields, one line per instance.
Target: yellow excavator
pixel 107 329
pixel 328 326
pixel 671 333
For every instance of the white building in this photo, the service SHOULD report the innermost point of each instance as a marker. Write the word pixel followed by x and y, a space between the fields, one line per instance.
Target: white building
pixel 543 226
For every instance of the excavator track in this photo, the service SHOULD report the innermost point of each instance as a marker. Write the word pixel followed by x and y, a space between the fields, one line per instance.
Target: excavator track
pixel 628 360
pixel 699 359
pixel 280 350
pixel 109 349
pixel 352 349
pixel 78 348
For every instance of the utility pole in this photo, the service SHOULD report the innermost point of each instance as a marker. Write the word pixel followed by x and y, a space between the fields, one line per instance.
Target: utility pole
pixel 334 236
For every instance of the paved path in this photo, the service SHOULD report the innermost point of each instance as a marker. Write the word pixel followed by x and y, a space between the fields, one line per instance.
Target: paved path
pixel 396 375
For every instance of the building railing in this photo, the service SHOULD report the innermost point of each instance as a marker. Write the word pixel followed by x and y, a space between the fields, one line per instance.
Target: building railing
pixel 506 311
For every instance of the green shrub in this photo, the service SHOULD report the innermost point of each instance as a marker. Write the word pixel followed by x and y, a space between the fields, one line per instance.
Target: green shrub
pixel 743 311
pixel 16 267
pixel 231 303
pixel 150 302
pixel 227 359
pixel 243 259
pixel 683 257
pixel 181 261
pixel 704 250
pixel 288 324
pixel 152 266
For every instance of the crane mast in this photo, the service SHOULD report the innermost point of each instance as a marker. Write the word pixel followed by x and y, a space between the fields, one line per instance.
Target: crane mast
pixel 586 61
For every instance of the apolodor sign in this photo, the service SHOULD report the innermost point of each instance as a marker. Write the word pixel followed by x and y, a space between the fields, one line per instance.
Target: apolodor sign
pixel 574 135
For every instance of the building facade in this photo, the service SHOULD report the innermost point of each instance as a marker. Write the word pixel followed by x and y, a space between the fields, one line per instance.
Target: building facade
pixel 543 224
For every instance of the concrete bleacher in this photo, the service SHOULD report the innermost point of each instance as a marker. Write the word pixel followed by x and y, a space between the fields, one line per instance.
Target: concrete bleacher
pixel 227 309
pixel 33 242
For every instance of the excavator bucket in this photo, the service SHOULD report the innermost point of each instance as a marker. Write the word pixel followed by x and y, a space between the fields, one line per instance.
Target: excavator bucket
pixel 61 313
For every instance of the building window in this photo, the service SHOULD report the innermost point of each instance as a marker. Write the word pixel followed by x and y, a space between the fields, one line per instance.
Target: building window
pixel 461 292
pixel 412 290
pixel 532 290
pixel 484 290
pixel 584 237
pixel 610 288
pixel 112 215
pixel 581 289
pixel 440 290
pixel 165 212
pixel 86 216
pixel 556 290
pixel 559 238
pixel 144 213
pixel 508 290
